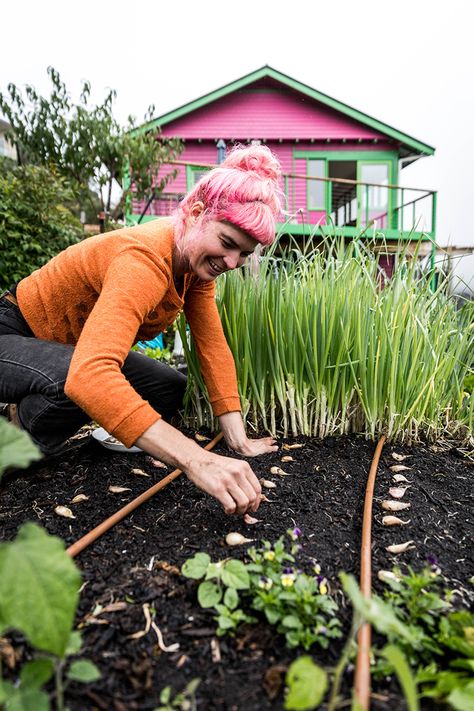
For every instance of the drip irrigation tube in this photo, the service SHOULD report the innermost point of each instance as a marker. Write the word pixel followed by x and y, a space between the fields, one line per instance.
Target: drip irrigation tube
pixel 362 669
pixel 96 532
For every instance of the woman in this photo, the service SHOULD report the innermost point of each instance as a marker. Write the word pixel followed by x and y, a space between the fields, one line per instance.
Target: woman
pixel 66 330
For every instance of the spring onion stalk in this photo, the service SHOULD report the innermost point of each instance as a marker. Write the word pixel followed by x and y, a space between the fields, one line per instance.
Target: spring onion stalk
pixel 325 344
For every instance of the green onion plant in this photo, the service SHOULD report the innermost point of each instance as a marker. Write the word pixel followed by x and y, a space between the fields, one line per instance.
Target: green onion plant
pixel 325 344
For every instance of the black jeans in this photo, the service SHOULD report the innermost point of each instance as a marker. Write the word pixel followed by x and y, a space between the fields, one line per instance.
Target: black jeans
pixel 33 373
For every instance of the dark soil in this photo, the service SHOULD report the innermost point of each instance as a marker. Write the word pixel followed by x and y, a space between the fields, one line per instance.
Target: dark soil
pixel 137 562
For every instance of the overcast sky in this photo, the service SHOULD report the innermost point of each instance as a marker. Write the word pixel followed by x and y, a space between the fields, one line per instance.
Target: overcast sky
pixel 409 64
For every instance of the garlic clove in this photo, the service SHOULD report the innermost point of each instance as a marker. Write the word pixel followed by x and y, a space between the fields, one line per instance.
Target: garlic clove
pixel 250 520
pixel 400 547
pixel 64 512
pixel 386 576
pixel 287 458
pixel 398 492
pixel 236 539
pixel 138 472
pixel 279 471
pixel 118 489
pixel 157 463
pixel 399 468
pixel 390 505
pixel 80 497
pixel 400 457
pixel 394 521
pixel 264 498
pixel 201 438
pixel 287 447
pixel 268 484
pixel 400 478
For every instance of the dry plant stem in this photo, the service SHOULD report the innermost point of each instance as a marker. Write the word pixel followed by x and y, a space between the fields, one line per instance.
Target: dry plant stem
pixel 96 532
pixel 362 670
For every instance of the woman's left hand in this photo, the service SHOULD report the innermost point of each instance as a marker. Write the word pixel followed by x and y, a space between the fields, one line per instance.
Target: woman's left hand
pixel 256 447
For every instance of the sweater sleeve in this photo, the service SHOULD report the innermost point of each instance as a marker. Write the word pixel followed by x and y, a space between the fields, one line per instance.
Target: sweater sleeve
pixel 132 286
pixel 215 358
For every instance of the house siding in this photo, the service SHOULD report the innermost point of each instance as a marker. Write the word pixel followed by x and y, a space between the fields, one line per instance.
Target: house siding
pixel 269 115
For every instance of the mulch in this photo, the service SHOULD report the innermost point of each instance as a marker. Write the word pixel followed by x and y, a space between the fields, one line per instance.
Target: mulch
pixel 137 563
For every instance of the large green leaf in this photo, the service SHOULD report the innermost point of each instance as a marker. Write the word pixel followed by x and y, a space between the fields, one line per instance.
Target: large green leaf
pixel 39 588
pixel 19 699
pixel 209 594
pixel 16 448
pixel 235 575
pixel 83 670
pixel 196 566
pixel 307 684
pixel 463 699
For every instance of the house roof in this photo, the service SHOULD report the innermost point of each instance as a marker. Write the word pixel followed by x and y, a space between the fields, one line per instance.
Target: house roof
pixel 411 146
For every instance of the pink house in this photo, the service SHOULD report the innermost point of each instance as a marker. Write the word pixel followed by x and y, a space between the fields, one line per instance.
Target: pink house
pixel 341 166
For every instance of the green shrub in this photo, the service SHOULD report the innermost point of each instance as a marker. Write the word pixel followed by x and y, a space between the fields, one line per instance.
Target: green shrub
pixel 34 222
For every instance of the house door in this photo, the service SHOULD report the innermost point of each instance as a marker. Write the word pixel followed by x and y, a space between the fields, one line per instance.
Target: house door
pixel 373 195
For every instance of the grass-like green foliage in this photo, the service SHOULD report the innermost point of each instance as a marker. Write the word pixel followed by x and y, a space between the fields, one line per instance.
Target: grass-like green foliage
pixel 296 603
pixel 35 223
pixel 322 347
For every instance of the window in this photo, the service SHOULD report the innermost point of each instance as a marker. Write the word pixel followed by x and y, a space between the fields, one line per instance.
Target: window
pixel 316 188
pixel 194 173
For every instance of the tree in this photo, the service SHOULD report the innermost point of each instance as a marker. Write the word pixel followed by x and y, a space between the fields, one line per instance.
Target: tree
pixel 35 223
pixel 86 145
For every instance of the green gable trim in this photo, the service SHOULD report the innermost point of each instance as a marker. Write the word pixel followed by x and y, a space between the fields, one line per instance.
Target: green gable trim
pixel 266 71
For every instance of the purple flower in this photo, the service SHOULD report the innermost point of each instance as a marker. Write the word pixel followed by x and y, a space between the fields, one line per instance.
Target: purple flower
pixel 297 532
pixel 432 559
pixel 287 571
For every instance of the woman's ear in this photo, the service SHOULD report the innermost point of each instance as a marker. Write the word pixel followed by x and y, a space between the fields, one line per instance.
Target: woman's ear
pixel 196 210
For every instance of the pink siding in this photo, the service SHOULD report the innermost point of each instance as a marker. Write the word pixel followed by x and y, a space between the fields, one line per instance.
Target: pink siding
pixel 267 115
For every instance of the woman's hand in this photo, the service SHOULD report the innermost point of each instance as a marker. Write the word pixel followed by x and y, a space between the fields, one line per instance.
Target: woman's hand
pixel 256 447
pixel 237 440
pixel 230 481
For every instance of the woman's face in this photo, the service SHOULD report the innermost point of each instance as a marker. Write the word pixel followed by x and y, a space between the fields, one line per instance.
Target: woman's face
pixel 218 248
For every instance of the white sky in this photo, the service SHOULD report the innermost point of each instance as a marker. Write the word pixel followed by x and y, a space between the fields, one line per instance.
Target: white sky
pixel 409 63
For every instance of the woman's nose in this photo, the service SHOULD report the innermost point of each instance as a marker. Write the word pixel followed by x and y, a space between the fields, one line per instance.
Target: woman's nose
pixel 232 260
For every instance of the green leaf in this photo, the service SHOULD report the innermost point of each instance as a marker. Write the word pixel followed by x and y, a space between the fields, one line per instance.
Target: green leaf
pixel 16 448
pixel 462 699
pixel 196 566
pixel 397 659
pixel 39 588
pixel 376 611
pixel 74 644
pixel 235 575
pixel 27 700
pixel 209 594
pixel 36 673
pixel 231 598
pixel 83 670
pixel 307 684
pixel 6 690
pixel 292 621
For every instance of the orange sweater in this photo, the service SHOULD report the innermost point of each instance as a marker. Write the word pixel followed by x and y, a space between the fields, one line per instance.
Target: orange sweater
pixel 105 294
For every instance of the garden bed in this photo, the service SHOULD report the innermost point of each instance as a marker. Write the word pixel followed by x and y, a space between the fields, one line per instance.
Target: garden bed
pixel 137 563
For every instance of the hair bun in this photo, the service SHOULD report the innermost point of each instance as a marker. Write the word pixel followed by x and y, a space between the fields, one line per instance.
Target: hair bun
pixel 256 158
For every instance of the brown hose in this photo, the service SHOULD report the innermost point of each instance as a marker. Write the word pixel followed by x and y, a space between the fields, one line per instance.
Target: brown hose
pixel 96 532
pixel 362 670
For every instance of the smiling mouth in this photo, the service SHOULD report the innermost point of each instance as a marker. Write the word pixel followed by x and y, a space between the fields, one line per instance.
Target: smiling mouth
pixel 215 267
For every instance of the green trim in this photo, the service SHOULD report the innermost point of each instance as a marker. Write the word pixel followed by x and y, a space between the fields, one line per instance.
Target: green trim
pixel 346 155
pixel 266 71
pixel 327 230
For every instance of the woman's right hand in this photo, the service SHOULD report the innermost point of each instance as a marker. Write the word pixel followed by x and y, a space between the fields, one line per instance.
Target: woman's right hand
pixel 230 481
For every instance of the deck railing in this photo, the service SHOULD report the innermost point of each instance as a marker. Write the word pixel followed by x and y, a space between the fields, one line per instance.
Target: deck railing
pixel 344 203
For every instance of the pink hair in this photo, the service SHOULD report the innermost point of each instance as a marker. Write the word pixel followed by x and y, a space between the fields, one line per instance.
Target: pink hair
pixel 243 191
